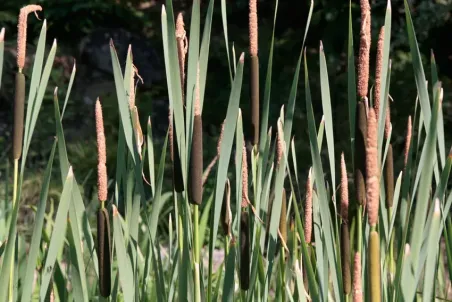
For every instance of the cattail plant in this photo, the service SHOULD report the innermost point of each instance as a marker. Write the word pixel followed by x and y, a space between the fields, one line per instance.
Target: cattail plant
pixel 345 234
pixel 19 104
pixel 407 143
pixel 244 251
pixel 373 195
pixel 103 219
pixel 253 27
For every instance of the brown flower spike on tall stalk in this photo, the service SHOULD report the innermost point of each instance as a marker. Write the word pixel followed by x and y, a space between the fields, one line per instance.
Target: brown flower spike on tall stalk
pixel 103 219
pixel 364 49
pixel 19 105
pixel 196 160
pixel 373 194
pixel 253 27
pixel 360 153
pixel 308 210
pixel 345 234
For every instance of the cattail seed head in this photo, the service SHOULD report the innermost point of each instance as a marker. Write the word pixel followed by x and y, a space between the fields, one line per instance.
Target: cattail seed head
pixel 253 27
pixel 101 154
pixel 344 189
pixel 196 162
pixel 308 210
pixel 226 214
pixel 244 251
pixel 22 33
pixel 364 49
pixel 407 142
pixel 379 68
pixel 345 258
pixel 104 251
pixel 357 287
pixel 245 199
pixel 374 267
pixel 360 153
pixel 372 170
pixel 19 105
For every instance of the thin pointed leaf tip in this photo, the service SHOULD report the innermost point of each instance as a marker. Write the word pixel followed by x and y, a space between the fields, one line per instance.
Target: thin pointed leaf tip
pixel 101 155
pixel 22 33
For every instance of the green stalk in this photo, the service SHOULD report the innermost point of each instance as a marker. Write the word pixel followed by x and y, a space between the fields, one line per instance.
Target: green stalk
pixel 196 252
pixel 11 273
pixel 374 267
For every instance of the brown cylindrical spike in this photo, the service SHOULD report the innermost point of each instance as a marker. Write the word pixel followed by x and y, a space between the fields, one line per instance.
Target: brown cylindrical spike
pixel 19 104
pixel 282 219
pixel 104 251
pixel 360 153
pixel 364 49
pixel 345 258
pixel 244 252
pixel 196 162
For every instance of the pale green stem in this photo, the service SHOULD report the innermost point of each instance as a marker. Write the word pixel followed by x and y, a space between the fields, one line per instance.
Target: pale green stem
pixel 11 274
pixel 196 252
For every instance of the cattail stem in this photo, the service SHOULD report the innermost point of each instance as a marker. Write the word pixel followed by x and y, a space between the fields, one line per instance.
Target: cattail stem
pixel 196 248
pixel 374 267
pixel 244 251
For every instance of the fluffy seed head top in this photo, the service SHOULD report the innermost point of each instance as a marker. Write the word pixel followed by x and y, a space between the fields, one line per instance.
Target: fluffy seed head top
pixel 372 170
pixel 101 154
pixel 22 33
pixel 182 47
pixel 244 177
pixel 357 287
pixel 364 49
pixel 253 27
pixel 308 210
pixel 344 190
pixel 379 67
pixel 407 141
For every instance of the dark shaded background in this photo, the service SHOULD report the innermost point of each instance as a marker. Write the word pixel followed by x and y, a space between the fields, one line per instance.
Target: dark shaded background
pixel 83 29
